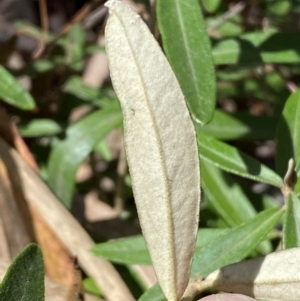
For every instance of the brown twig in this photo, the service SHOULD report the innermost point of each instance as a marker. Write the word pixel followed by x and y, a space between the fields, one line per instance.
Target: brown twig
pixel 289 180
pixel 44 15
pixel 237 8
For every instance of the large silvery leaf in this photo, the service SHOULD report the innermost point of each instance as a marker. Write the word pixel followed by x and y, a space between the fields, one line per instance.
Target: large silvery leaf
pixel 160 145
pixel 275 277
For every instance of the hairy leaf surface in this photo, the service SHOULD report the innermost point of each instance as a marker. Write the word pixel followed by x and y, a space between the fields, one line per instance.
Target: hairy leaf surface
pixel 273 277
pixel 160 145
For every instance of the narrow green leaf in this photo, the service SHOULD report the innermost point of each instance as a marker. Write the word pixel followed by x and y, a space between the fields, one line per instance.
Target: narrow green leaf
pixel 40 127
pixel 234 161
pixel 288 134
pixel 68 154
pixel 24 280
pixel 188 48
pixel 13 93
pixel 133 250
pixel 75 86
pixel 75 46
pixel 230 247
pixel 258 47
pixel 226 126
pixel 235 245
pixel 291 226
pixel 226 197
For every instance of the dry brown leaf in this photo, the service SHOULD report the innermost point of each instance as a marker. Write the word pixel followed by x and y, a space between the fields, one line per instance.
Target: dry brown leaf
pixel 32 226
pixel 61 222
pixel 160 144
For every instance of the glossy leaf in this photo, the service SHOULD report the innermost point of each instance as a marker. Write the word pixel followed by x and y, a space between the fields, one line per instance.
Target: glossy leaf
pixel 288 134
pixel 291 226
pixel 273 277
pixel 24 279
pixel 226 126
pixel 13 93
pixel 188 48
pixel 230 247
pixel 68 154
pixel 133 250
pixel 258 47
pixel 160 145
pixel 234 161
pixel 40 127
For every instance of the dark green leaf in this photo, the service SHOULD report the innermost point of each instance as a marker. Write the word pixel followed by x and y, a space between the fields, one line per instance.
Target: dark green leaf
pixel 228 248
pixel 232 160
pixel 133 250
pixel 259 47
pixel 13 93
pixel 288 134
pixel 24 280
pixel 68 154
pixel 291 226
pixel 40 127
pixel 226 126
pixel 188 48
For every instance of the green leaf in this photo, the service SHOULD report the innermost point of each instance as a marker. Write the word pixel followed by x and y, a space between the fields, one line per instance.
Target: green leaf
pixel 211 5
pixel 226 197
pixel 24 279
pixel 13 93
pixel 75 86
pixel 235 245
pixel 188 48
pixel 68 154
pixel 234 161
pixel 230 247
pixel 75 46
pixel 91 287
pixel 258 47
pixel 133 250
pixel 40 127
pixel 103 150
pixel 288 134
pixel 226 126
pixel 291 226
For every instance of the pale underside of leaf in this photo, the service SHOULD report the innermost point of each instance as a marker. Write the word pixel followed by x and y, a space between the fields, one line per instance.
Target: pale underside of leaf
pixel 275 277
pixel 160 145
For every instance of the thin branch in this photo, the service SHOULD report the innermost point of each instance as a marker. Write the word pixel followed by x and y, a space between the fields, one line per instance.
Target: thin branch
pixel 44 15
pixel 237 8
